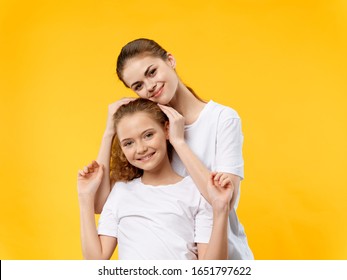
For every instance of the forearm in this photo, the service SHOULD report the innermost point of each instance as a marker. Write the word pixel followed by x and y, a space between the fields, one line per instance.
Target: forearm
pixel 91 245
pixel 199 173
pixel 104 158
pixel 236 183
pixel 217 248
pixel 196 169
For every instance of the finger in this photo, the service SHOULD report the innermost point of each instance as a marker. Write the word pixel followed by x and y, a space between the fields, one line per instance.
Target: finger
pixel 218 176
pixel 126 101
pixel 81 173
pixel 225 182
pixel 163 106
pixel 171 111
pixel 174 113
pixel 95 164
pixel 222 178
pixel 90 167
pixel 213 173
pixel 166 111
pixel 211 178
pixel 100 172
pixel 86 169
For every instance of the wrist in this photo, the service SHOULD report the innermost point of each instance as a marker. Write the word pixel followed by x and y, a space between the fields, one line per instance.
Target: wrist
pixel 178 144
pixel 85 199
pixel 109 133
pixel 220 207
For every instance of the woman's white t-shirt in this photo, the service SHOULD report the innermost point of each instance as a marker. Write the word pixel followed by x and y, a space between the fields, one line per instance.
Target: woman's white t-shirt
pixel 216 139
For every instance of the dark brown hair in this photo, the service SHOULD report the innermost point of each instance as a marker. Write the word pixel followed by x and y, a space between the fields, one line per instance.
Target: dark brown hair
pixel 142 47
pixel 120 168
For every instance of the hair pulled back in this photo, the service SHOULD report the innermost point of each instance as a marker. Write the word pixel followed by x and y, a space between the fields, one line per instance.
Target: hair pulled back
pixel 135 48
pixel 142 47
pixel 120 168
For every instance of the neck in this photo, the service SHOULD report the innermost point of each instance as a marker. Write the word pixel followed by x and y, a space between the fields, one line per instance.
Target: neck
pixel 186 104
pixel 163 175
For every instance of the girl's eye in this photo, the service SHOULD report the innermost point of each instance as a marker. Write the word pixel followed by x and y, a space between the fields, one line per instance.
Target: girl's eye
pixel 127 144
pixel 152 72
pixel 148 135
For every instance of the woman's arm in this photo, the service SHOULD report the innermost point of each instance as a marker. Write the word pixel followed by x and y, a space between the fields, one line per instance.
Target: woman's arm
pixel 220 189
pixel 93 245
pixel 196 169
pixel 104 155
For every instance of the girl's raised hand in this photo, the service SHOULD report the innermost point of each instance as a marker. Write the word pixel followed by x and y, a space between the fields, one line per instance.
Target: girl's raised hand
pixel 220 189
pixel 176 123
pixel 89 179
pixel 112 108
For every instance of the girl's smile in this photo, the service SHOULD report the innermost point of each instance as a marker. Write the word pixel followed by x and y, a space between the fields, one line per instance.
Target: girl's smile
pixel 147 157
pixel 143 142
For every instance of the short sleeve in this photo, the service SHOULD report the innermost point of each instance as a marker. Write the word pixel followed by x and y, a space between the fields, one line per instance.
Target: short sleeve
pixel 229 144
pixel 203 222
pixel 108 220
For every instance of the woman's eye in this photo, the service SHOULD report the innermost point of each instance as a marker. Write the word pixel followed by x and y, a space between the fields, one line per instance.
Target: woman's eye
pixel 138 87
pixel 152 72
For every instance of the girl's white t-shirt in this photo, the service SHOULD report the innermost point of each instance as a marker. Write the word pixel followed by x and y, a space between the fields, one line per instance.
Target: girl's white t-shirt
pixel 156 222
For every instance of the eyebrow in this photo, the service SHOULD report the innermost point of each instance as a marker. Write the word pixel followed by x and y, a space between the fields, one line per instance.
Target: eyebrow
pixel 146 72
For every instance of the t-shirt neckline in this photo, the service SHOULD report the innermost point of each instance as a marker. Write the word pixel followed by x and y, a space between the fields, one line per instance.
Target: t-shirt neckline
pixel 139 181
pixel 202 113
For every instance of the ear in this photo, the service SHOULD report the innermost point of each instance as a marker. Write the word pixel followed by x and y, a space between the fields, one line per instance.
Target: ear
pixel 171 60
pixel 166 130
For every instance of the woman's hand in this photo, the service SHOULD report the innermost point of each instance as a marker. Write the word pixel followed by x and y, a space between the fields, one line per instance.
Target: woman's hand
pixel 176 124
pixel 112 108
pixel 89 179
pixel 220 189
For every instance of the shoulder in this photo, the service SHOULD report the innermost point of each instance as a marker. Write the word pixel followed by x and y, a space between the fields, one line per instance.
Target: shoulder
pixel 187 184
pixel 224 112
pixel 186 181
pixel 120 187
pixel 190 187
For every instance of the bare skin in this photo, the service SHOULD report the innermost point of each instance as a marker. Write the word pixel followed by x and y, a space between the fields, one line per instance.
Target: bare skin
pixel 138 147
pixel 184 109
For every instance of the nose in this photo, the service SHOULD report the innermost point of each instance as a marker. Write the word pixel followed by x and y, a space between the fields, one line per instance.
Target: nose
pixel 141 148
pixel 151 85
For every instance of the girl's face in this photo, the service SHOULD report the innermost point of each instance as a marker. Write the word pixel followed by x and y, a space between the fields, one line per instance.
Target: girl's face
pixel 152 78
pixel 143 141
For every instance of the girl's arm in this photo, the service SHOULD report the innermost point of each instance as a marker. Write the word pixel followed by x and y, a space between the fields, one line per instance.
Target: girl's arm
pixel 93 245
pixel 220 189
pixel 196 169
pixel 104 155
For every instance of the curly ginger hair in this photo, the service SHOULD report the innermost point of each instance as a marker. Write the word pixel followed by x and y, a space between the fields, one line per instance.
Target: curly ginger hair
pixel 120 168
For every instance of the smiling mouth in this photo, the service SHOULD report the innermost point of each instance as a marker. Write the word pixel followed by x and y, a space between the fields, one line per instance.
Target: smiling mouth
pixel 147 157
pixel 158 93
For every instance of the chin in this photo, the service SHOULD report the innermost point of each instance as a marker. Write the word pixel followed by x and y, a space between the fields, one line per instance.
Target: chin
pixel 164 100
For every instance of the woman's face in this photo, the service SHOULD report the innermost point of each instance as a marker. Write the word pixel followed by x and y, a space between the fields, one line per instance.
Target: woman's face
pixel 143 141
pixel 152 78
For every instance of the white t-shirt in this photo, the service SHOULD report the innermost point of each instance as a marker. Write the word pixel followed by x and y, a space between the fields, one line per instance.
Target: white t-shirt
pixel 216 139
pixel 156 222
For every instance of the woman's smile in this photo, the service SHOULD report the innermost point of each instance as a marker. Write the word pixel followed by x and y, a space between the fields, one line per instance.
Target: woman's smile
pixel 158 92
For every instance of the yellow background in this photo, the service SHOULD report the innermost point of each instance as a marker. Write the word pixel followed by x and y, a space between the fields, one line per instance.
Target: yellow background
pixel 280 64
